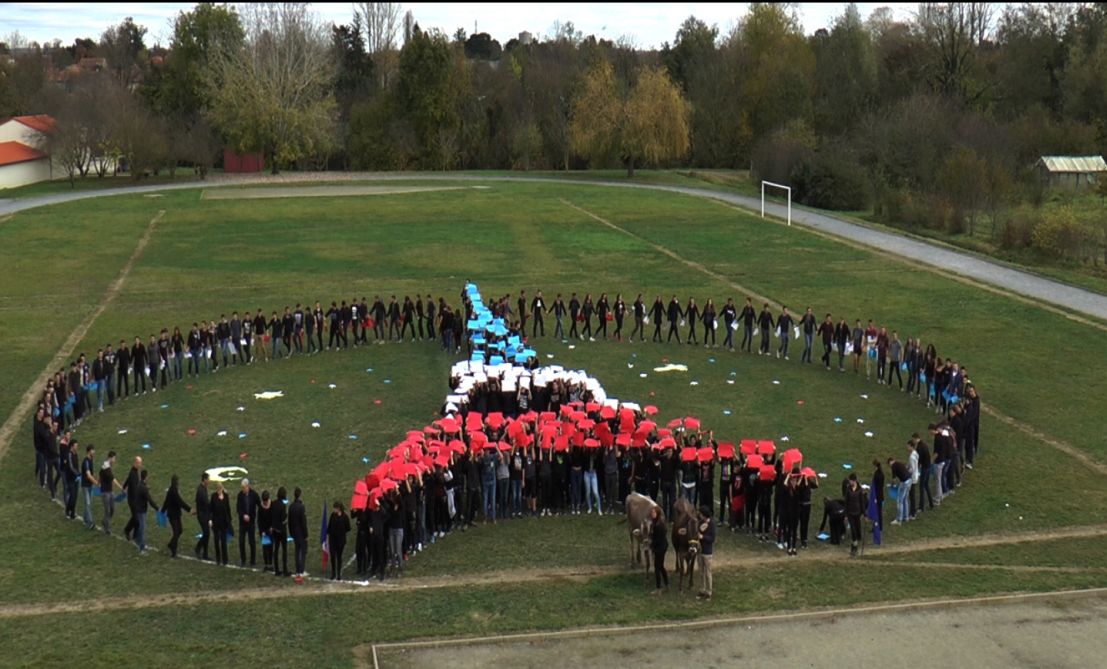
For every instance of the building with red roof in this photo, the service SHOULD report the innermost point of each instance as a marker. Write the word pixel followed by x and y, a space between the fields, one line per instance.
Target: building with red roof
pixel 23 158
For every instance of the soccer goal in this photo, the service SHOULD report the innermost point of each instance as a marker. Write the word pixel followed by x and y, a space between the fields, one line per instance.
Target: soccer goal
pixel 782 187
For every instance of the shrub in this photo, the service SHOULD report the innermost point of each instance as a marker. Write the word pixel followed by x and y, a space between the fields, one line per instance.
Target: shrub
pixel 830 181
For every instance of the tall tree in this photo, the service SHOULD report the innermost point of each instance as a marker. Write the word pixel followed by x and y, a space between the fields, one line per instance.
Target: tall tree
pixel 650 125
pixel 381 22
pixel 275 94
pixel 955 33
pixel 124 47
pixel 426 92
pixel 845 73
pixel 198 35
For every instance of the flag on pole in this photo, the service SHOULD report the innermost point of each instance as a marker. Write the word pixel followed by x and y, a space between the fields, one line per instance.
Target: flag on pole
pixel 324 548
pixel 873 514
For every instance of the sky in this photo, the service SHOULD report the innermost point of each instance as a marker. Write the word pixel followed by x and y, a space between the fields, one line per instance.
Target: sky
pixel 647 24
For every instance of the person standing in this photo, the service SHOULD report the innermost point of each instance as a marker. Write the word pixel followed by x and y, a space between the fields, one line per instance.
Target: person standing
pixel 691 315
pixel 132 488
pixel 620 311
pixel 338 526
pixel 265 523
pixel 826 333
pixel 709 323
pixel 857 336
pixel 278 533
pixel 765 323
pixel 246 506
pixel 108 486
pixel 297 529
pixel 657 313
pixel 432 314
pixel 674 314
pixel 639 312
pixel 145 502
pixel 138 364
pixel 71 471
pixel 261 335
pixel 538 311
pixel 574 315
pixel 749 316
pixel 172 508
pixel 877 490
pixel 901 478
pixel 122 369
pixel 707 551
pixel 221 523
pixel 807 324
pixel 790 509
pixel 202 505
pixel 913 469
pixel 856 501
pixel 394 320
pixel 841 339
pixel 558 310
pixel 730 318
pixel 784 330
pixel 659 544
pixel 521 307
pixel 88 480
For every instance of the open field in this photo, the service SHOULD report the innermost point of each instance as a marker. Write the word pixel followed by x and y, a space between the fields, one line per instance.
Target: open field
pixel 1039 371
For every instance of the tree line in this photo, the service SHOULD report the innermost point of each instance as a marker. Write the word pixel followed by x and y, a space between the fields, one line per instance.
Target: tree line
pixel 931 121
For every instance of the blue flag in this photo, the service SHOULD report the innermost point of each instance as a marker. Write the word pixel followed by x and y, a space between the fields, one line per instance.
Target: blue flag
pixel 873 514
pixel 324 546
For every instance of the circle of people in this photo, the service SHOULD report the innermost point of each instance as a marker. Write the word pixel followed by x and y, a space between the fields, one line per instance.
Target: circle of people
pixel 587 457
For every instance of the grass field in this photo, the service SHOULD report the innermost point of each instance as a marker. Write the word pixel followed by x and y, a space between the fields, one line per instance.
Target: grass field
pixel 1037 369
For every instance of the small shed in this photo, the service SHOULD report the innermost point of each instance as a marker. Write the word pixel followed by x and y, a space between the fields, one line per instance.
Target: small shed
pixel 21 165
pixel 1071 172
pixel 234 162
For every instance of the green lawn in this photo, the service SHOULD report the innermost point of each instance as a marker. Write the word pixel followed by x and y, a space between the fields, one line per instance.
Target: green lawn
pixel 212 257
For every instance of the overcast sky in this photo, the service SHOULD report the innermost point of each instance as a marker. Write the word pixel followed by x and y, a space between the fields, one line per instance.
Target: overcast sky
pixel 648 24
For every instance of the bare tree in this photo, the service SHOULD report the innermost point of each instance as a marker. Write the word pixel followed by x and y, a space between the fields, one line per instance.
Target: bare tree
pixel 381 21
pixel 955 31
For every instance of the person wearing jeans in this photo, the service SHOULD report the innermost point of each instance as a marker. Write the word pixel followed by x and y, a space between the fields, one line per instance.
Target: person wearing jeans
pixel 488 484
pixel 576 480
pixel 592 487
pixel 88 480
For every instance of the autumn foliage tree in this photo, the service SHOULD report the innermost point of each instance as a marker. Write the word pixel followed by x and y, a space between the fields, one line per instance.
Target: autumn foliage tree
pixel 650 125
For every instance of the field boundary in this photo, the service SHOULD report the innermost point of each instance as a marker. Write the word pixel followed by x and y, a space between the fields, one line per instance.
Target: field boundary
pixel 1067 449
pixel 27 402
pixel 788 616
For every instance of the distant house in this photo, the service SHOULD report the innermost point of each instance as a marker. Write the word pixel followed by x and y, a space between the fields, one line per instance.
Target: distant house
pixel 234 162
pixel 1071 172
pixel 23 159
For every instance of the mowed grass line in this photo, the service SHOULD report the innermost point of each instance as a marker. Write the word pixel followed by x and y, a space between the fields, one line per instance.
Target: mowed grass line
pixel 330 626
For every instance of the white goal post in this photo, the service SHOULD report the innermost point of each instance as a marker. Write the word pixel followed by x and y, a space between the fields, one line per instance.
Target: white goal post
pixel 782 187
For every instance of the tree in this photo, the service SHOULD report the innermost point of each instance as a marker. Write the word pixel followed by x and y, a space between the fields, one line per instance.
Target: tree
pixel 275 94
pixel 657 121
pixel 955 32
pixel 526 141
pixel 124 47
pixel 650 125
pixel 694 46
pixel 381 21
pixel 198 35
pixel 845 74
pixel 426 92
pixel 481 46
pixel 962 180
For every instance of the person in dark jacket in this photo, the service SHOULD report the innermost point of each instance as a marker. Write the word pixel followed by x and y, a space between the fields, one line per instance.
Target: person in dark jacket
pixel 203 516
pixel 659 544
pixel 877 489
pixel 856 501
pixel 707 550
pixel 246 507
pixel 132 488
pixel 143 503
pixel 265 523
pixel 361 545
pixel 278 533
pixel 338 526
pixel 221 522
pixel 297 529
pixel 172 508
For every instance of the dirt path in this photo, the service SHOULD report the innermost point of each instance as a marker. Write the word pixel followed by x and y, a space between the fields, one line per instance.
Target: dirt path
pixel 1064 630
pixel 1065 448
pixel 523 576
pixel 19 415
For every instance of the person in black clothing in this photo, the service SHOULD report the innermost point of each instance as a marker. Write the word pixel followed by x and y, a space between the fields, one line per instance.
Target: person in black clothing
pixel 278 533
pixel 709 323
pixel 659 544
pixel 378 519
pixel 221 522
pixel 122 369
pixel 638 310
pixel 363 316
pixel 620 312
pixel 246 506
pixel 841 338
pixel 432 313
pixel 421 315
pixel 790 509
pixel 132 488
pixel 288 326
pixel 603 310
pixel 692 314
pixel 407 315
pixel 559 311
pixel 172 508
pixel 784 327
pixel 877 489
pixel 361 545
pixel 657 313
pixel 317 321
pixel 856 501
pixel 537 310
pixel 587 308
pixel 71 472
pixel 203 516
pixel 807 484
pixel 834 512
pixel 333 316
pixel 765 322
pixel 297 529
pixel 394 320
pixel 748 316
pixel 574 314
pixel 925 467
pixel 674 313
pixel 265 523
pixel 260 334
pixel 138 364
pixel 338 526
pixel 826 333
pixel 378 312
pixel 521 304
pixel 276 335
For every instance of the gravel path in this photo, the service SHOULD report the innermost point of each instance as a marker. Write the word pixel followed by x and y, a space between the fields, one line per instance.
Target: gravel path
pixel 1024 283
